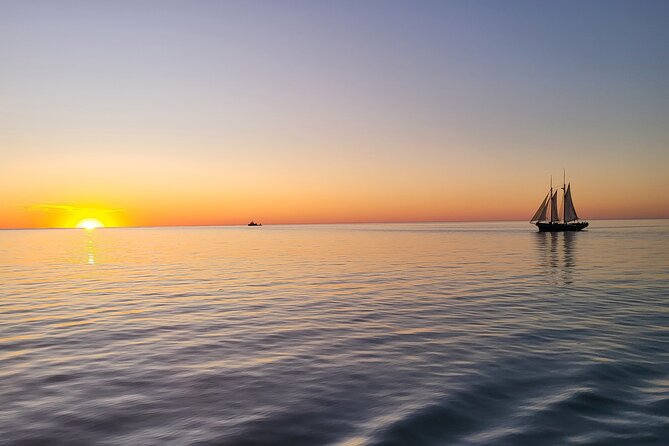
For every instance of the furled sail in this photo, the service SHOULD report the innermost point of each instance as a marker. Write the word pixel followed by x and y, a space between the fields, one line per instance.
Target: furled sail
pixel 569 211
pixel 554 208
pixel 540 215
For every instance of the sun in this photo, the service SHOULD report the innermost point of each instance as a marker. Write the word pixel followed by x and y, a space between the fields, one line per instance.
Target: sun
pixel 90 223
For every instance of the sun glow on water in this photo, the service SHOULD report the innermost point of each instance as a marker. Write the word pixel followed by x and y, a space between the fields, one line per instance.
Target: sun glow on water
pixel 90 223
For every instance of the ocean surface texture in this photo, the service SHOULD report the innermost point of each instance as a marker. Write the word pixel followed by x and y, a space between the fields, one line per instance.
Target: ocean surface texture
pixel 393 334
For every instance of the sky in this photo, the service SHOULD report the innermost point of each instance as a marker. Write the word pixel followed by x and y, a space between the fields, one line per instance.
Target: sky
pixel 143 113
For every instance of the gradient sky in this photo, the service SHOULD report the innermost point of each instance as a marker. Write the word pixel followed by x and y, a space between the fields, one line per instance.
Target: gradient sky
pixel 213 112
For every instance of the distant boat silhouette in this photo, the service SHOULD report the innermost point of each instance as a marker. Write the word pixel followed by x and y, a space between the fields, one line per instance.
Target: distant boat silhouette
pixel 549 206
pixel 254 224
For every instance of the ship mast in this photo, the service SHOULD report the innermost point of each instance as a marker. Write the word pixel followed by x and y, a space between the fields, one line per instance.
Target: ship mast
pixel 564 195
pixel 550 200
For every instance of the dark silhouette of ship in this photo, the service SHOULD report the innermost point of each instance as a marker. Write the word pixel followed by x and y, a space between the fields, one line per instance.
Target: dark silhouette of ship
pixel 254 224
pixel 547 217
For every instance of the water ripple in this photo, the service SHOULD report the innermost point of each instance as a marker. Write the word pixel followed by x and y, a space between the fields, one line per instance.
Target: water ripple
pixel 423 334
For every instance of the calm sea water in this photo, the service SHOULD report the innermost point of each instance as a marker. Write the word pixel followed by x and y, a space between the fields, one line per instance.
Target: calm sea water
pixel 412 334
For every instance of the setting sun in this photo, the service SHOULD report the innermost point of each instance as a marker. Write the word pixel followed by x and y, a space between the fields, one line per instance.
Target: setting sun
pixel 90 223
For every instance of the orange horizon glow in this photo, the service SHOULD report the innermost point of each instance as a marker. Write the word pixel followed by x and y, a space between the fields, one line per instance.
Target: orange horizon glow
pixel 164 191
pixel 307 212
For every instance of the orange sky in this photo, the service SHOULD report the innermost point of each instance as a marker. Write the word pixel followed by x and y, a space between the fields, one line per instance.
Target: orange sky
pixel 137 190
pixel 226 113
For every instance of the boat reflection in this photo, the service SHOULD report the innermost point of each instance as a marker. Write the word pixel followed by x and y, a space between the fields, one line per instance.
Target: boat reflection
pixel 557 250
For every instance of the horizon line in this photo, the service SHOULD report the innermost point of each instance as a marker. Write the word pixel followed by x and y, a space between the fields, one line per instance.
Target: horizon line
pixel 325 223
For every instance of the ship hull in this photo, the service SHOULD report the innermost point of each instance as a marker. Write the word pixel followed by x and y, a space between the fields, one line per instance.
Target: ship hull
pixel 562 227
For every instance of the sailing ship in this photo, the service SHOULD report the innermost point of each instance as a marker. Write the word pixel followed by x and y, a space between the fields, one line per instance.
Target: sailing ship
pixel 547 217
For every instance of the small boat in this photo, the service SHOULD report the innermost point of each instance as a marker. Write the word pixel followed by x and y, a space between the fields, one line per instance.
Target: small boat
pixel 254 224
pixel 547 217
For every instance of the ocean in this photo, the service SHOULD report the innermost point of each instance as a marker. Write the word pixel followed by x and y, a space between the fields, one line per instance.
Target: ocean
pixel 369 334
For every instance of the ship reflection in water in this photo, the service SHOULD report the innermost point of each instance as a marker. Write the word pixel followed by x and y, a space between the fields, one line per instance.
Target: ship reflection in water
pixel 557 251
